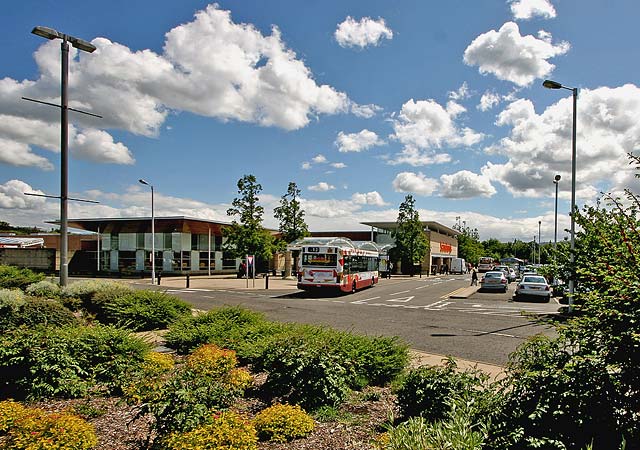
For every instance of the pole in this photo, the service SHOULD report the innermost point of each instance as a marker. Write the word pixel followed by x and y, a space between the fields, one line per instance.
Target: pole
pixel 539 243
pixel 209 253
pixel 573 198
pixel 98 247
pixel 64 162
pixel 153 241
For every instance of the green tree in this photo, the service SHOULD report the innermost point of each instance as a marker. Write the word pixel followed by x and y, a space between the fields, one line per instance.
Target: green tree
pixel 469 246
pixel 409 234
pixel 291 215
pixel 247 236
pixel 581 388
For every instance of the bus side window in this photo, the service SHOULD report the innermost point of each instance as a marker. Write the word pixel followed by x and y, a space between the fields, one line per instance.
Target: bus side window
pixel 347 264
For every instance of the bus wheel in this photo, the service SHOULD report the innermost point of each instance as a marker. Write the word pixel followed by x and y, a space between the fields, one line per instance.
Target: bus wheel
pixel 353 288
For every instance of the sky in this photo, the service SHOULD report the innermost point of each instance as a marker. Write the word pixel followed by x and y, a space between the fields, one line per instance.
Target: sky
pixel 360 103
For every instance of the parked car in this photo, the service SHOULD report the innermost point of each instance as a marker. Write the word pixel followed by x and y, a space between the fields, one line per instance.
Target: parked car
pixel 508 272
pixel 533 287
pixel 494 281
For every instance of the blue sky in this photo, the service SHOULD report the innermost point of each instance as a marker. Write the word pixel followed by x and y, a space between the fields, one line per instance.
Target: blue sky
pixel 359 103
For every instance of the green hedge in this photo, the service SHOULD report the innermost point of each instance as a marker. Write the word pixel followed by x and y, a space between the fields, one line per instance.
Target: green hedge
pixel 47 362
pixel 17 278
pixel 16 309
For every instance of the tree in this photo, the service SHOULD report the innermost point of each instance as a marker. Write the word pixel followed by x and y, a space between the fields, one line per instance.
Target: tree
pixel 291 215
pixel 247 236
pixel 409 234
pixel 292 224
pixel 469 246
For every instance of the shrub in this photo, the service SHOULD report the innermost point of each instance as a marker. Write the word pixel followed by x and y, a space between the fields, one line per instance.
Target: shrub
pixel 17 278
pixel 35 311
pixel 85 290
pixel 10 411
pixel 424 391
pixel 146 384
pixel 46 362
pixel 230 327
pixel 142 310
pixel 208 380
pixel 282 423
pixel 303 369
pixel 11 298
pixel 223 431
pixel 44 288
pixel 32 428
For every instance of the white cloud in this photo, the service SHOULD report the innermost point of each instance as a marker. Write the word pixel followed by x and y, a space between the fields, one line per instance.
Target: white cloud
pixel 461 94
pixel 512 57
pixel 365 111
pixel 352 33
pixel 12 195
pixel 319 158
pixel 369 198
pixel 424 126
pixel 488 100
pixel 357 142
pixel 338 165
pixel 305 165
pixel 245 76
pixel 321 187
pixel 328 209
pixel 527 9
pixel 539 145
pixel 416 183
pixel 465 184
pixel 20 155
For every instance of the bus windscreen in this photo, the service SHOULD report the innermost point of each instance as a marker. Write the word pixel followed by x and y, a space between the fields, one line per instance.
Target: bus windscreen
pixel 319 259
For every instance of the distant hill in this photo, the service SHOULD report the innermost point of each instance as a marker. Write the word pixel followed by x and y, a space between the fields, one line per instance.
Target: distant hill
pixel 6 227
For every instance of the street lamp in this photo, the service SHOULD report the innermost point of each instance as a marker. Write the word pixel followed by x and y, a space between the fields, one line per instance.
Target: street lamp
pixel 556 181
pixel 83 45
pixel 539 243
pixel 555 85
pixel 153 235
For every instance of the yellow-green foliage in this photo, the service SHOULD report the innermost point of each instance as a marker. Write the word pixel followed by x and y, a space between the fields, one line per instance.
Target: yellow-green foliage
pixel 34 429
pixel 147 384
pixel 282 423
pixel 212 362
pixel 223 431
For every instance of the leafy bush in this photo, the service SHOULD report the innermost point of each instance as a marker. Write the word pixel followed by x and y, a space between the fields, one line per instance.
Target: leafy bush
pixel 46 362
pixel 85 290
pixel 33 311
pixel 282 423
pixel 303 369
pixel 32 428
pixel 226 430
pixel 17 278
pixel 44 288
pixel 142 310
pixel 425 391
pixel 208 380
pixel 11 298
pixel 230 327
pixel 146 383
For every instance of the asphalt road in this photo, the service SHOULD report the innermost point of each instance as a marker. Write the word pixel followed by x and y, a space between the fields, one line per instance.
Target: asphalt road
pixel 485 327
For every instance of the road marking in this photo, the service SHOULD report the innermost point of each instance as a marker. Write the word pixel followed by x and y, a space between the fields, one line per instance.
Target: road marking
pixel 359 302
pixel 422 287
pixel 434 304
pixel 453 293
pixel 338 301
pixel 208 296
pixel 198 289
pixel 495 333
pixel 402 299
pixel 401 292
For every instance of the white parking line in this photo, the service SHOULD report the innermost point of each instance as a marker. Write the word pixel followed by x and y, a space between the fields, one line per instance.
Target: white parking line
pixel 401 292
pixel 359 302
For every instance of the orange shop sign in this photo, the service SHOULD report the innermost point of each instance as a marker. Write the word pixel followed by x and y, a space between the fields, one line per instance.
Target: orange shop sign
pixel 445 248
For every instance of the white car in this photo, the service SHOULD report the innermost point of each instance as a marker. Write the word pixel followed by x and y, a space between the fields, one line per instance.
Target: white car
pixel 494 281
pixel 533 287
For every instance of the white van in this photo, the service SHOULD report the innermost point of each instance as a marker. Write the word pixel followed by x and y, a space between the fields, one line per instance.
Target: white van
pixel 458 265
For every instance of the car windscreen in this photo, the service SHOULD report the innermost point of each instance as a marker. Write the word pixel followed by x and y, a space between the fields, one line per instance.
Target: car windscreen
pixel 534 280
pixel 493 275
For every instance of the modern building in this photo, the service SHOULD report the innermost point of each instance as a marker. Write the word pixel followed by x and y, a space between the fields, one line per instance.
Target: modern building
pixel 443 243
pixel 124 245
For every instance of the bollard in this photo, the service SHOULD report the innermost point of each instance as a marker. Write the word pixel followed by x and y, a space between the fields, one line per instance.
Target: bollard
pixel 266 281
pixel 187 280
pixel 159 276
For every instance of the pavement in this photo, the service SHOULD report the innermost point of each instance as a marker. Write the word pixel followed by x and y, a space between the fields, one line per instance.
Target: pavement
pixel 230 282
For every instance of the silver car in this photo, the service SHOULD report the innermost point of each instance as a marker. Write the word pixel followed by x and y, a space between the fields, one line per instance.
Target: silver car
pixel 533 287
pixel 494 281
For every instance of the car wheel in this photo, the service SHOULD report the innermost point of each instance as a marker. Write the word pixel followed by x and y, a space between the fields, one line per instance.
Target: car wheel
pixel 547 299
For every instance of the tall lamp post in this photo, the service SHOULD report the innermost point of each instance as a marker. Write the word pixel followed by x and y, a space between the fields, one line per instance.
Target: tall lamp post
pixel 555 85
pixel 153 235
pixel 556 181
pixel 539 243
pixel 83 45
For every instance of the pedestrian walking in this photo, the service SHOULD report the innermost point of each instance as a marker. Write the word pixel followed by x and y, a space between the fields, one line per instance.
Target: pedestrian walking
pixel 474 277
pixel 390 269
